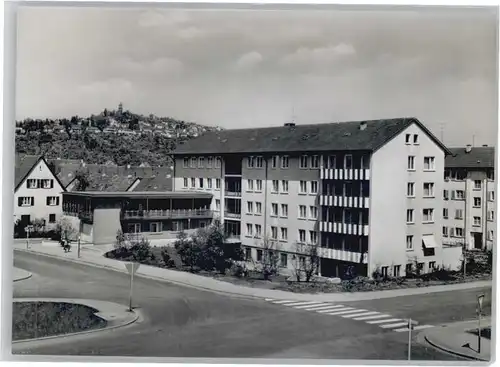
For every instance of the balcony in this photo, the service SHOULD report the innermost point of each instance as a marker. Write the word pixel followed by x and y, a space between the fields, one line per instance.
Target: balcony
pixel 167 214
pixel 85 215
pixel 344 228
pixel 344 201
pixel 234 194
pixel 343 255
pixel 233 238
pixel 232 215
pixel 345 174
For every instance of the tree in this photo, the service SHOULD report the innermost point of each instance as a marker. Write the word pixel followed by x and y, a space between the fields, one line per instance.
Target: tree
pixel 188 250
pixel 82 181
pixel 101 122
pixel 306 262
pixel 66 230
pixel 268 266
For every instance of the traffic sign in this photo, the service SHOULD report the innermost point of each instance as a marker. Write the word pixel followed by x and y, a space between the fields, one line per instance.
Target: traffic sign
pixel 480 299
pixel 28 228
pixel 412 324
pixel 132 267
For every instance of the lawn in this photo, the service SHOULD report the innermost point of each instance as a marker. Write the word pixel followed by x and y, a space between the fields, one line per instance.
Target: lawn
pixel 41 319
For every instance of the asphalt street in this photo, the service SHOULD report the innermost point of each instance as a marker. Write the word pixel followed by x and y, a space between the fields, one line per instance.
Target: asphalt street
pixel 185 322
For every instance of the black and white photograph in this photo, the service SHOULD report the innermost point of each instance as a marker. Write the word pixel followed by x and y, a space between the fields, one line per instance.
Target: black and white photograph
pixel 258 183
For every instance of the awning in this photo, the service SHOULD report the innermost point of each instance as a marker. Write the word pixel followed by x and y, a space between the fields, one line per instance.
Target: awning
pixel 429 241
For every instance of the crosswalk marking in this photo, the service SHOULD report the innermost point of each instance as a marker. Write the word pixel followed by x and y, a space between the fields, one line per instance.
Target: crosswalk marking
pixel 382 321
pixel 392 326
pixel 340 309
pixel 343 312
pixel 379 316
pixel 418 327
pixel 359 314
pixel 324 308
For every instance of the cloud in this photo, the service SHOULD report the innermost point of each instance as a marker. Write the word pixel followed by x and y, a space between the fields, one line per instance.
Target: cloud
pixel 162 65
pixel 249 60
pixel 320 56
pixel 162 18
pixel 190 33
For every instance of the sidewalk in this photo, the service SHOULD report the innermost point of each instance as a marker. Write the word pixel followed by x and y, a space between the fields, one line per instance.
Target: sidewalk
pixel 455 339
pixel 114 314
pixel 93 255
pixel 20 274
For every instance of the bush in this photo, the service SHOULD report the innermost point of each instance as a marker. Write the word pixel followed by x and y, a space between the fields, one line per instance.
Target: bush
pixel 141 251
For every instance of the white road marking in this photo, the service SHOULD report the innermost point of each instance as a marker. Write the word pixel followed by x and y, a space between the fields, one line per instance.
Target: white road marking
pixel 391 326
pixel 340 309
pixel 301 303
pixel 311 307
pixel 382 321
pixel 360 314
pixel 324 308
pixel 343 312
pixel 282 302
pixel 379 316
pixel 418 327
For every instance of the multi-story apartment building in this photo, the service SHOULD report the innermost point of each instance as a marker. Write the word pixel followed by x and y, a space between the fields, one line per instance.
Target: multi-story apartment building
pixel 368 193
pixel 37 192
pixel 469 196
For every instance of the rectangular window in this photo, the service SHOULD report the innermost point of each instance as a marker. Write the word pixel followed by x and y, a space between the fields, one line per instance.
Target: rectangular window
pixel 209 183
pixel 284 234
pixel 410 190
pixel 217 183
pixel 258 185
pixel 210 162
pixel 303 161
pixel 249 207
pixel 445 231
pixel 275 186
pixel 490 235
pixel 193 182
pixel 259 162
pixel 52 200
pixel 26 201
pixel 415 139
pixel 283 260
pixel 274 209
pixel 477 184
pixel 397 270
pixel 445 195
pixel 250 185
pixel 259 255
pixel 313 237
pixel 284 161
pixel 313 212
pixel 332 162
pixel 284 210
pixel 477 221
pixel 251 162
pixel 348 161
pixel 411 163
pixel 409 242
pixel 155 227
pixel 52 218
pixel 217 162
pixel 249 229
pixel 274 161
pixel 428 189
pixel 193 162
pixel 428 215
pixel 258 230
pixel 459 232
pixel 302 211
pixel 32 183
pixel 314 161
pixel 185 162
pixel 459 195
pixel 274 233
pixel 432 265
pixel 201 160
pixel 408 138
pixel 385 271
pixel 452 232
pixel 477 202
pixel 314 187
pixel 201 183
pixel 284 186
pixel 302 236
pixel 303 187
pixel 409 216
pixel 445 213
pixel 217 204
pixel 429 164
pixel 491 215
pixel 491 195
pixel 248 254
pixel 185 182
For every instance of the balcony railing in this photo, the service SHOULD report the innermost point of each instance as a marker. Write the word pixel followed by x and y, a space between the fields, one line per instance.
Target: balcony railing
pixel 236 194
pixel 82 215
pixel 167 214
pixel 232 215
pixel 232 238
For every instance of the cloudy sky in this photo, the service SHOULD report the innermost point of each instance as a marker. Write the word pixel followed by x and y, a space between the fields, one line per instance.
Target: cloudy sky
pixel 241 68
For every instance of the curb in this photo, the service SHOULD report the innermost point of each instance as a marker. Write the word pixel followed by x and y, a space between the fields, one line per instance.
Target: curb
pixel 24 277
pixel 176 282
pixel 78 333
pixel 451 351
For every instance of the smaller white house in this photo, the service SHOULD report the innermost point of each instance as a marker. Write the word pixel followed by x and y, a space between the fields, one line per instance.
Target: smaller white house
pixel 37 192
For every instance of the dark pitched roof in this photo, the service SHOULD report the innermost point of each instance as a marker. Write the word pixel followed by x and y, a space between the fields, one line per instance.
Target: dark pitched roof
pixel 480 157
pixel 301 138
pixel 23 167
pixel 155 183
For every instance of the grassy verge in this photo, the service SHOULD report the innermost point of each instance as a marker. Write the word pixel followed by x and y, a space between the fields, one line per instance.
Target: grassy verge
pixel 41 319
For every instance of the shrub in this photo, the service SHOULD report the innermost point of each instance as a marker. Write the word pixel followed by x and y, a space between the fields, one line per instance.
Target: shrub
pixel 141 251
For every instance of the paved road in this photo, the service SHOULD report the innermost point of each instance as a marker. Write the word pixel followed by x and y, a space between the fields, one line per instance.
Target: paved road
pixel 183 322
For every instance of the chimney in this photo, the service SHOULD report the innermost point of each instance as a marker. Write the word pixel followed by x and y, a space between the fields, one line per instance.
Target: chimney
pixel 362 125
pixel 290 124
pixel 468 148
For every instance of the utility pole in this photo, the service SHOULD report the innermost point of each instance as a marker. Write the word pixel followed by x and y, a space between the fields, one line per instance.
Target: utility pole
pixel 411 324
pixel 480 299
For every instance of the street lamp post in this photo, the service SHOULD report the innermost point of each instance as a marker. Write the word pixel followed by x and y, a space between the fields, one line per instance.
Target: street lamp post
pixel 480 299
pixel 411 324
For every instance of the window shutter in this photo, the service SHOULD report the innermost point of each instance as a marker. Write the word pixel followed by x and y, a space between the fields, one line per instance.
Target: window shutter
pixel 57 200
pixel 52 184
pixel 32 201
pixel 19 201
pixel 48 200
pixel 38 183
